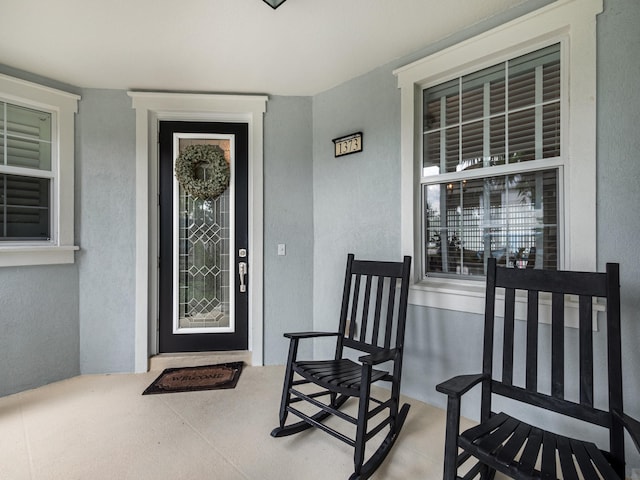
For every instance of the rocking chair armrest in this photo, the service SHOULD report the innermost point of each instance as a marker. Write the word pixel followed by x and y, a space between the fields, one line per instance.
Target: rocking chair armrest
pixel 379 357
pixel 631 425
pixel 458 386
pixel 299 335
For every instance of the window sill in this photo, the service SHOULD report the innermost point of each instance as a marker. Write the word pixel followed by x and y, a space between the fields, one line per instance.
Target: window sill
pixel 16 256
pixel 448 294
pixel 469 297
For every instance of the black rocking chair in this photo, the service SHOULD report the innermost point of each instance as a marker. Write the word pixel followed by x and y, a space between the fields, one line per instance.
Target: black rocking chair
pixel 372 322
pixel 519 450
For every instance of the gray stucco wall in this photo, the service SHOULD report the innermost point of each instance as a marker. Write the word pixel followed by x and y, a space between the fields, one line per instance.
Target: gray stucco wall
pixel 60 321
pixel 618 173
pixel 356 198
pixel 105 226
pixel 288 219
pixel 39 343
pixel 349 214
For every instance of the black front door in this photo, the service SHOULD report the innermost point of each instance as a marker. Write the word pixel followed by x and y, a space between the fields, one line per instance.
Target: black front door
pixel 204 257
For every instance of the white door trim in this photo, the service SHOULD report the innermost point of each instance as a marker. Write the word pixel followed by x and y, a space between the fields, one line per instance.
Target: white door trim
pixel 152 107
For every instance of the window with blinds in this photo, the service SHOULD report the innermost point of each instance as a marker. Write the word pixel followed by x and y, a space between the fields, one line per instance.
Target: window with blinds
pixel 487 187
pixel 25 173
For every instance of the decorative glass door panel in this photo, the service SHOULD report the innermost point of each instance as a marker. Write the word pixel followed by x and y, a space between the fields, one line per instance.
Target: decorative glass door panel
pixel 204 258
pixel 203 248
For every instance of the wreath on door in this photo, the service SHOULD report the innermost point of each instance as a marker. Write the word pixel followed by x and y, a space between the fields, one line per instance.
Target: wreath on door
pixel 216 171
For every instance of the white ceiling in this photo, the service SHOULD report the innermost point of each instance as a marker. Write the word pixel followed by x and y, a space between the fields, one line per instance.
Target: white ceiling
pixel 237 46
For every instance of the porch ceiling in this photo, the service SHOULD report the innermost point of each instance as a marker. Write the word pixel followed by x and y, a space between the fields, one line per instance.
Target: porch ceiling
pixel 302 48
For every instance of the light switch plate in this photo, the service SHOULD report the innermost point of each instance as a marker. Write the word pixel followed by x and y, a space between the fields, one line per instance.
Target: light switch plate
pixel 282 250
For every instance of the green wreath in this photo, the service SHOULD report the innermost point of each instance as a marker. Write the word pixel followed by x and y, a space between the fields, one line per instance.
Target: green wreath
pixel 218 173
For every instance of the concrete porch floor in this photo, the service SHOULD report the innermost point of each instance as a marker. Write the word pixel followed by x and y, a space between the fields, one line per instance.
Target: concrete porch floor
pixel 100 427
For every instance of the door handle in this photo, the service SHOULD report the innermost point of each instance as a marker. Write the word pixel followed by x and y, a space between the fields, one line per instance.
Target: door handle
pixel 242 271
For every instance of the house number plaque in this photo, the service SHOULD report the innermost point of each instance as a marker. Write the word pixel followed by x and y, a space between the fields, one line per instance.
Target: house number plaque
pixel 347 145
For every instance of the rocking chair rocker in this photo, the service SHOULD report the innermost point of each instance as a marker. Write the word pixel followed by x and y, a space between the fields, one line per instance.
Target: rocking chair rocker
pixel 372 322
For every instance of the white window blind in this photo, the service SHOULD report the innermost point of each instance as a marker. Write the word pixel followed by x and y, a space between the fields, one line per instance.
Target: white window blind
pixel 25 173
pixel 486 192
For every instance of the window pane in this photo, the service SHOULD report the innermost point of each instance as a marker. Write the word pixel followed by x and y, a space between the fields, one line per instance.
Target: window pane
pixel 512 218
pixel 24 208
pixel 498 94
pixel 522 92
pixel 537 69
pixel 497 140
pixel 452 146
pixel 551 81
pixel 28 153
pixel 522 136
pixel 431 164
pixel 487 135
pixel 441 224
pixel 25 122
pixel 472 145
pixel 441 140
pixel 551 130
pixel 434 230
pixel 452 149
pixel 533 219
pixel 454 238
pixel 534 133
pixel 432 111
pixel 472 101
pixel 2 106
pixel 28 138
pixel 453 109
pixel 470 243
pixel 483 93
pixel 439 101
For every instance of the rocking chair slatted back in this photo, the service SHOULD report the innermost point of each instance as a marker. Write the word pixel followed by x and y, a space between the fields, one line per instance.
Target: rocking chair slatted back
pixel 587 287
pixel 506 444
pixel 372 285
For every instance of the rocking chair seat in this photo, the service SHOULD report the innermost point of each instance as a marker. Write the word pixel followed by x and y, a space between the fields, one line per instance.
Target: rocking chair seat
pixel 498 441
pixel 341 376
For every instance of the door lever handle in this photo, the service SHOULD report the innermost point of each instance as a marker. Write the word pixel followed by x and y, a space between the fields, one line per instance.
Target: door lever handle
pixel 242 271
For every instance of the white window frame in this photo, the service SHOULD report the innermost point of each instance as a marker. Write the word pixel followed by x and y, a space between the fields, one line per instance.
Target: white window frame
pixel 63 106
pixel 571 22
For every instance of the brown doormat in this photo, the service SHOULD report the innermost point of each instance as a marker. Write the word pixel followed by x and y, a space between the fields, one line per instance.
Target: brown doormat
pixel 191 379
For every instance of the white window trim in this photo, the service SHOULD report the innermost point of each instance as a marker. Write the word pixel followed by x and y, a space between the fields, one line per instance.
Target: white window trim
pixel 574 23
pixel 64 106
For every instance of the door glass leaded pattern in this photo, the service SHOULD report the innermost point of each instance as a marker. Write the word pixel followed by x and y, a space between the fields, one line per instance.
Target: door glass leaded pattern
pixel 204 255
pixel 501 116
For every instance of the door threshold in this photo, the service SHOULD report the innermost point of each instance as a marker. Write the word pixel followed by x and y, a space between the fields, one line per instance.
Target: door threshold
pixel 196 359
